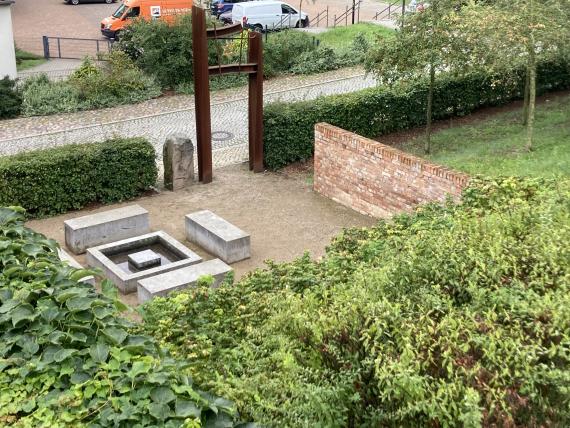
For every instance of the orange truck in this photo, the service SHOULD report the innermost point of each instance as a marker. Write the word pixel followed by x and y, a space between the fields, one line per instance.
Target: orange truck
pixel 165 10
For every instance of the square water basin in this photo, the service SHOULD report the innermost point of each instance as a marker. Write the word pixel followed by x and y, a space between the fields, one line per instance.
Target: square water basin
pixel 127 261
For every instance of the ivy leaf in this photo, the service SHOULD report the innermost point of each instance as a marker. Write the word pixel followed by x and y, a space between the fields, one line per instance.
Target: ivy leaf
pixel 24 312
pixel 185 409
pixel 9 305
pixel 101 312
pixel 159 411
pixel 99 352
pixel 139 367
pixel 162 395
pixel 32 249
pixel 50 313
pixel 63 354
pixel 77 304
pixel 115 335
pixel 79 377
pixel 77 336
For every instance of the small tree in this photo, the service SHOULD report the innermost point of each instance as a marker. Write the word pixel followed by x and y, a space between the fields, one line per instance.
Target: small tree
pixel 511 34
pixel 425 45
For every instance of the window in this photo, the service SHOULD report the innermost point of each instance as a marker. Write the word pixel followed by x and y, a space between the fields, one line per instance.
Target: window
pixel 119 12
pixel 287 10
pixel 133 12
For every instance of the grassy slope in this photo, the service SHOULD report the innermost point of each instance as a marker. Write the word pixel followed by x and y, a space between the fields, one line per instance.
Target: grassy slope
pixel 495 146
pixel 342 37
pixel 27 59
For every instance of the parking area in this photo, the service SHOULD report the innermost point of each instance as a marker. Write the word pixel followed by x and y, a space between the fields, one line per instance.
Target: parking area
pixel 33 19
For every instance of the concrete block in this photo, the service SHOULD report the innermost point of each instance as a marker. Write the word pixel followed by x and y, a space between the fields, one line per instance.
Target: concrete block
pixel 161 285
pixel 144 259
pixel 178 159
pixel 104 227
pixel 66 257
pixel 217 236
pixel 113 259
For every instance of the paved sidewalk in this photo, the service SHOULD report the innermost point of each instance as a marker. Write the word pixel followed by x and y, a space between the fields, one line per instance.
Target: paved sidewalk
pixel 156 119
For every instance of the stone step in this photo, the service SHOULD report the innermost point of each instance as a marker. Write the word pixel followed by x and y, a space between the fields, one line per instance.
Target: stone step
pixel 217 236
pixel 105 227
pixel 161 285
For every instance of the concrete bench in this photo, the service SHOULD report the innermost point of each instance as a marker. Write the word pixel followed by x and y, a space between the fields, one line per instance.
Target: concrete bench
pixel 161 285
pixel 217 236
pixel 66 257
pixel 104 227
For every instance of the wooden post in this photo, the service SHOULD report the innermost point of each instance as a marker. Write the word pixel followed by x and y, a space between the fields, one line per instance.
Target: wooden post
pixel 202 94
pixel 255 55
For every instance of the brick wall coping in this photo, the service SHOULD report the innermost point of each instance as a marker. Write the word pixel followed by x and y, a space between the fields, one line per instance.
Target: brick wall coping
pixel 351 139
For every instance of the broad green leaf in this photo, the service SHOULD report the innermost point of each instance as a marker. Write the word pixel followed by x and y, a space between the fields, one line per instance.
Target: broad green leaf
pixel 115 335
pixel 99 352
pixel 32 249
pixel 24 312
pixel 63 354
pixel 9 305
pixel 186 409
pixel 162 394
pixel 77 304
pixel 159 411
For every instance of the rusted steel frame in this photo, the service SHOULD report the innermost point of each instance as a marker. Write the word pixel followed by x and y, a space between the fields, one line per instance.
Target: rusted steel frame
pixel 202 94
pixel 255 107
pixel 214 33
pixel 232 68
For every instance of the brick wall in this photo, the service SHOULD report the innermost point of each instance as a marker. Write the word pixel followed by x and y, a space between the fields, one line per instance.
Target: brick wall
pixel 376 179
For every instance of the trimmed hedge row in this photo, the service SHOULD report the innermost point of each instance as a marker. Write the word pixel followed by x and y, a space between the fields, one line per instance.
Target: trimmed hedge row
pixel 289 127
pixel 53 181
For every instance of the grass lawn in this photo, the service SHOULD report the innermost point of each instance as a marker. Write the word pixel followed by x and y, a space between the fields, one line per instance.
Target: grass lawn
pixel 27 60
pixel 495 146
pixel 342 37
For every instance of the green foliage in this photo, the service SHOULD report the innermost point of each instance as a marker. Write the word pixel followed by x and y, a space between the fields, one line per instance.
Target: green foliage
pixel 161 50
pixel 57 180
pixel 289 127
pixel 10 98
pixel 452 316
pixel 117 81
pixel 67 357
pixel 282 50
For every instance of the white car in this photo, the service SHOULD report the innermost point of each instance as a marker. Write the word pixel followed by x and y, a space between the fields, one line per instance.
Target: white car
pixel 270 15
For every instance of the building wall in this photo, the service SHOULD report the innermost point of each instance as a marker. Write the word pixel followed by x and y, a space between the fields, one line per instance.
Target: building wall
pixel 7 53
pixel 376 179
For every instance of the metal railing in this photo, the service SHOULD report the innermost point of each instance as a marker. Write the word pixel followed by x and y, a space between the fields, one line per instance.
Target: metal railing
pixel 74 48
pixel 386 13
pixel 323 15
pixel 353 12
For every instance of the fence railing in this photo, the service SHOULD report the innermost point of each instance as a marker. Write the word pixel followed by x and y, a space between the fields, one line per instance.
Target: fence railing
pixel 387 13
pixel 323 15
pixel 74 48
pixel 353 12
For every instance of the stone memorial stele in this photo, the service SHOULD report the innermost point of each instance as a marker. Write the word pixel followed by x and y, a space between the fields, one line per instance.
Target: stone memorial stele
pixel 178 159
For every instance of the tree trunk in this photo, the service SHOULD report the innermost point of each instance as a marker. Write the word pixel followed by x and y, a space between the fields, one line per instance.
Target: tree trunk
pixel 526 96
pixel 429 108
pixel 531 101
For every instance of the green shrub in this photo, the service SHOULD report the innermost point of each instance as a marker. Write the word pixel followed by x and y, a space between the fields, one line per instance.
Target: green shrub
pixel 282 49
pixel 289 127
pixel 57 180
pixel 10 98
pixel 40 96
pixel 452 316
pixel 67 357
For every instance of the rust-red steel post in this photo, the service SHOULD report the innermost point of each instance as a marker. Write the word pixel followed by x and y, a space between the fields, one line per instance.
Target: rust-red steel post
pixel 202 94
pixel 255 55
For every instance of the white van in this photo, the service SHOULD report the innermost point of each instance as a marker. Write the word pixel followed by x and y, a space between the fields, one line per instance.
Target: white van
pixel 270 15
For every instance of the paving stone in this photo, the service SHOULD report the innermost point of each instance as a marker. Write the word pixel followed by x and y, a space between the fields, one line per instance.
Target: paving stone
pixel 144 259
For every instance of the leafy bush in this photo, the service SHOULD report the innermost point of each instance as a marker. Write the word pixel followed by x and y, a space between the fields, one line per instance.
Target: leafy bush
pixel 67 357
pixel 455 316
pixel 282 50
pixel 10 98
pixel 42 96
pixel 56 180
pixel 289 127
pixel 117 81
pixel 161 50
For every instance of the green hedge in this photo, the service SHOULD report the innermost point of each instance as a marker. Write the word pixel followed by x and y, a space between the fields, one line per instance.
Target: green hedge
pixel 289 127
pixel 56 180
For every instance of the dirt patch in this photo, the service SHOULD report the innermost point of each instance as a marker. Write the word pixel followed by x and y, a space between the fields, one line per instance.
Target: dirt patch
pixel 284 216
pixel 397 138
